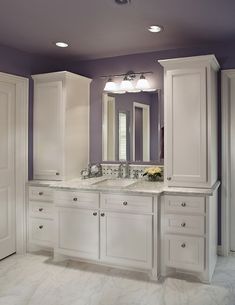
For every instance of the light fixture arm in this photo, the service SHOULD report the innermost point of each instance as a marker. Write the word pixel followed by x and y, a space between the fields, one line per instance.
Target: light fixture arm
pixel 130 74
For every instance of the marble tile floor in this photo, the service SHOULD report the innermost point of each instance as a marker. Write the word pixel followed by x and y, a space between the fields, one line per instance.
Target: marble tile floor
pixel 34 279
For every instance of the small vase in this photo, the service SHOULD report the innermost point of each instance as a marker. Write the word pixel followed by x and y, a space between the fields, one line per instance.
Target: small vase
pixel 154 178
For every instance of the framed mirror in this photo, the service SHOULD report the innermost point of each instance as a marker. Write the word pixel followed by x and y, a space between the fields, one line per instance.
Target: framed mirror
pixel 131 127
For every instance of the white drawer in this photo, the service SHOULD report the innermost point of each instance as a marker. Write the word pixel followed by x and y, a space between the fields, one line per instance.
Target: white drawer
pixel 185 253
pixel 40 193
pixel 185 224
pixel 142 204
pixel 184 204
pixel 41 209
pixel 41 231
pixel 76 199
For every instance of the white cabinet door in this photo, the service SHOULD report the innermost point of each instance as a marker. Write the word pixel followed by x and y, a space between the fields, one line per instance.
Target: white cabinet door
pixel 186 121
pixel 126 239
pixel 78 233
pixel 48 131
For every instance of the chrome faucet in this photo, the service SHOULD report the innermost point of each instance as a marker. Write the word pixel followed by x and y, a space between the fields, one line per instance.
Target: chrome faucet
pixel 122 165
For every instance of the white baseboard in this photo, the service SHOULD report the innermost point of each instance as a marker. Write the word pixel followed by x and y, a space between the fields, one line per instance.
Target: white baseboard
pixel 219 250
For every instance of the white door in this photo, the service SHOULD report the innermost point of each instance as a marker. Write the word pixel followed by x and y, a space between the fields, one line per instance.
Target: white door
pixel 232 156
pixel 48 126
pixel 78 232
pixel 126 239
pixel 186 137
pixel 7 169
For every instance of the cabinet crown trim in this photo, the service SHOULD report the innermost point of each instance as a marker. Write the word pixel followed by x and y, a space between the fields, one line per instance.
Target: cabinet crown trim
pixel 169 63
pixel 61 75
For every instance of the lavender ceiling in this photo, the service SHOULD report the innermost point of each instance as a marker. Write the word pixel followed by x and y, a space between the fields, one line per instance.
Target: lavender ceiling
pixel 101 28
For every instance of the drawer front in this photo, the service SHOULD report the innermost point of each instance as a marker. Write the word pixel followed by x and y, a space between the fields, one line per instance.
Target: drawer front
pixel 76 199
pixel 41 209
pixel 41 231
pixel 40 193
pixel 185 204
pixel 185 224
pixel 185 253
pixel 142 204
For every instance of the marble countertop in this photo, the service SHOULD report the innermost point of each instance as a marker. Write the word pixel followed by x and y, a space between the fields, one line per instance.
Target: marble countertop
pixel 140 186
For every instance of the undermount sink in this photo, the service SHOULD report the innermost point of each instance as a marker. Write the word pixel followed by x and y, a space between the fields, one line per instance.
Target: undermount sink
pixel 115 183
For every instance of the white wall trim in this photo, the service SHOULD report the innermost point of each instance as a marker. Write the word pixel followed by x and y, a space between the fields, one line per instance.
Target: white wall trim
pixel 227 75
pixel 21 155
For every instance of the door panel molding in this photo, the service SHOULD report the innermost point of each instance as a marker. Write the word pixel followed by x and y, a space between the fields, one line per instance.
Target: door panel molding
pixel 21 154
pixel 227 76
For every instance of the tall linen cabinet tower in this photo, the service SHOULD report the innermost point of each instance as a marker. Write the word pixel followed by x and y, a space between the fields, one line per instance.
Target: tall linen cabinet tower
pixel 189 217
pixel 61 125
pixel 190 91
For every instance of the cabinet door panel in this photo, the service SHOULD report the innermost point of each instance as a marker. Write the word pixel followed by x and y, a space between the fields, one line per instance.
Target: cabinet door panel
pixel 78 233
pixel 48 127
pixel 186 143
pixel 126 239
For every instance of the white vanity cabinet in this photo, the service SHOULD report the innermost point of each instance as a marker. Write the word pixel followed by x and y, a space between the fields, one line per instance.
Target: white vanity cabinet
pixel 40 217
pixel 126 225
pixel 112 229
pixel 77 224
pixel 61 125
pixel 190 103
pixel 189 235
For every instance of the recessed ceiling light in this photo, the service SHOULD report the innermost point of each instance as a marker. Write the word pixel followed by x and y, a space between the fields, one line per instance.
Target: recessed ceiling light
pixel 155 28
pixel 123 1
pixel 61 44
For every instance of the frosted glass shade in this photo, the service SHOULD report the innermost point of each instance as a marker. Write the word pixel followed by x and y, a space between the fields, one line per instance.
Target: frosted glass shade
pixel 142 83
pixel 110 86
pixel 126 85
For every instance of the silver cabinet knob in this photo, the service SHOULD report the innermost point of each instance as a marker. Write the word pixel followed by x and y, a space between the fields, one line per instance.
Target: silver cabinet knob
pixel 102 214
pixel 40 227
pixel 40 193
pixel 183 224
pixel 183 204
pixel 95 214
pixel 168 178
pixel 183 245
pixel 125 203
pixel 40 209
pixel 75 199
pixel 57 174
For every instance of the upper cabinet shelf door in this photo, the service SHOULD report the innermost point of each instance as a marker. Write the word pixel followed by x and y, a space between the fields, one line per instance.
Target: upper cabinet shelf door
pixel 48 128
pixel 186 141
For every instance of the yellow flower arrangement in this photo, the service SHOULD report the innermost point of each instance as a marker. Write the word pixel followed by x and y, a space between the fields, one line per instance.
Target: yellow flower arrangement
pixel 153 173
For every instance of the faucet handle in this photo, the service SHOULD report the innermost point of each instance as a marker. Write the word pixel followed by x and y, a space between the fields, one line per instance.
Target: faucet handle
pixel 135 173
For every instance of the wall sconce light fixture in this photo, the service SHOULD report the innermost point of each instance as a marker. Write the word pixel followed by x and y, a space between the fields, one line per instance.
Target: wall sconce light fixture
pixel 127 83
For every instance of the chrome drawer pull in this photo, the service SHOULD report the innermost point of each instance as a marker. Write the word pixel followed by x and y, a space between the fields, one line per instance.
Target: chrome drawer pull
pixel 125 203
pixel 102 214
pixel 40 227
pixel 57 174
pixel 40 193
pixel 183 245
pixel 183 204
pixel 75 199
pixel 40 209
pixel 169 178
pixel 183 224
pixel 95 213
